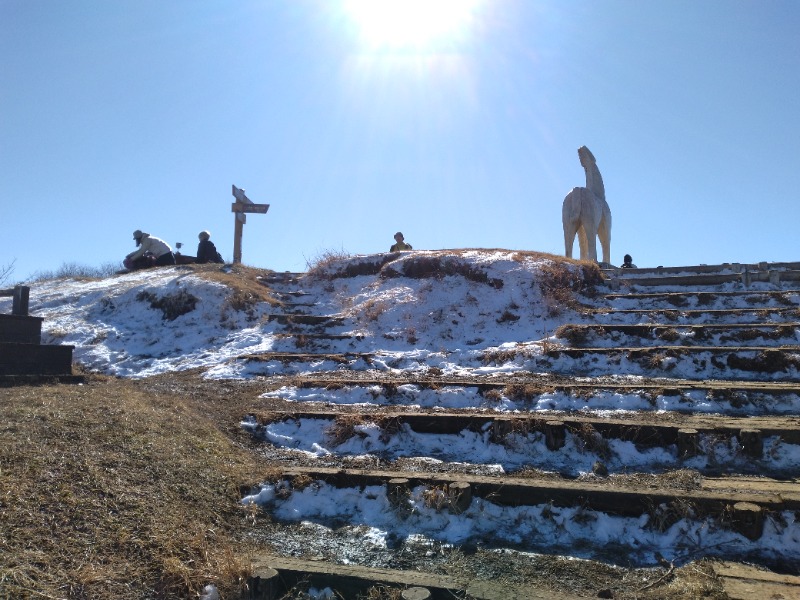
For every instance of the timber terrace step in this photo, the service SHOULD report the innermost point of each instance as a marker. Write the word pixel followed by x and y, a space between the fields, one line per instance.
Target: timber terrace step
pixel 615 495
pixel 280 573
pixel 20 329
pixel 728 334
pixel 35 359
pixel 18 380
pixel 720 268
pixel 667 386
pixel 297 319
pixel 768 314
pixel 705 296
pixel 286 357
pixel 643 429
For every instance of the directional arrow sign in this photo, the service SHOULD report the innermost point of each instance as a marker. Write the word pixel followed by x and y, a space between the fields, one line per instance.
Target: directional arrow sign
pixel 239 195
pixel 239 207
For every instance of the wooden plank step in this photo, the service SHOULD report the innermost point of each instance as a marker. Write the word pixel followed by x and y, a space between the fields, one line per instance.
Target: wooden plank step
pixel 20 329
pixel 645 429
pixel 746 582
pixel 709 294
pixel 296 319
pixel 679 280
pixel 35 359
pixel 697 312
pixel 320 336
pixel 552 383
pixel 17 380
pixel 352 580
pixel 692 269
pixel 642 350
pixel 644 329
pixel 287 357
pixel 612 495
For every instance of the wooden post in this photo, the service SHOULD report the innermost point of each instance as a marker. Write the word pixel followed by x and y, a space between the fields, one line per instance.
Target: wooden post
pixel 416 593
pixel 263 584
pixel 237 237
pixel 242 205
pixel 460 493
pixel 688 443
pixel 555 435
pixel 19 306
pixel 397 491
pixel 500 429
pixel 752 443
pixel 748 519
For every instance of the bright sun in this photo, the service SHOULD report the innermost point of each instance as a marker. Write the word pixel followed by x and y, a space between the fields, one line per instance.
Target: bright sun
pixel 410 23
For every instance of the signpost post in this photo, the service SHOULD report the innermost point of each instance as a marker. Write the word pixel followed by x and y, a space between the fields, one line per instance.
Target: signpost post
pixel 242 206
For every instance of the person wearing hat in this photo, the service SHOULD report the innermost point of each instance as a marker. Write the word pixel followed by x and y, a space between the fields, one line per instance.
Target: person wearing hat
pixel 628 262
pixel 400 245
pixel 206 250
pixel 149 244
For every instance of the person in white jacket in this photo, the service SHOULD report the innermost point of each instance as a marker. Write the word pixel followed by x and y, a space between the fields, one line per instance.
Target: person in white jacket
pixel 157 247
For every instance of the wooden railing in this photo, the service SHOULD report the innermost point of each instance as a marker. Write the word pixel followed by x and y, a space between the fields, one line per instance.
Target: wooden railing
pixel 20 293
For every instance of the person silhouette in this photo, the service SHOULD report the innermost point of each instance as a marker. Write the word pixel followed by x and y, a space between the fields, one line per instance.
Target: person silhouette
pixel 399 245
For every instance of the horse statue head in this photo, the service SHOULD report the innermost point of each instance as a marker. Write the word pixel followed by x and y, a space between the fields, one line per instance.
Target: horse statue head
pixel 594 181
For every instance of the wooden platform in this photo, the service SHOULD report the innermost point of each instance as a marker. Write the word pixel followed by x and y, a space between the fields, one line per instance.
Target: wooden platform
pixel 35 359
pixel 20 329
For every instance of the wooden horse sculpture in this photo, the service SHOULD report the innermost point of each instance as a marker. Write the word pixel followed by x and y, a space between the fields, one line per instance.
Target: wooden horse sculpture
pixel 585 212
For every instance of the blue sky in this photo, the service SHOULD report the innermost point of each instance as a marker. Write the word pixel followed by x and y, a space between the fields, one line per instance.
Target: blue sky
pixel 458 126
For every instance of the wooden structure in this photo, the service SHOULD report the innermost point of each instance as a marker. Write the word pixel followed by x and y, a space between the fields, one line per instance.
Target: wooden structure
pixel 240 208
pixel 22 355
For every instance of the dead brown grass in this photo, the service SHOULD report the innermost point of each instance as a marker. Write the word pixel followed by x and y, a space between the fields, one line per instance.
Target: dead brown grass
pixel 110 491
pixel 246 288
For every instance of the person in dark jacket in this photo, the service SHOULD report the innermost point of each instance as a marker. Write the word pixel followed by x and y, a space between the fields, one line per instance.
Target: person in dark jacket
pixel 206 250
pixel 399 244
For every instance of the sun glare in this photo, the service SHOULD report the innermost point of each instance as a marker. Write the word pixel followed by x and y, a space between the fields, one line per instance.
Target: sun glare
pixel 410 23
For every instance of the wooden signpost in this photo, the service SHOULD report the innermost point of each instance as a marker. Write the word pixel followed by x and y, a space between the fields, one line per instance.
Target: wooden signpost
pixel 242 206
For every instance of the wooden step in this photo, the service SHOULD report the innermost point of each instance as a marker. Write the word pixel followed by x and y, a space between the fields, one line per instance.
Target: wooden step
pixel 20 329
pixel 352 581
pixel 35 359
pixel 613 495
pixel 708 294
pixel 746 582
pixel 729 335
pixel 297 319
pixel 643 429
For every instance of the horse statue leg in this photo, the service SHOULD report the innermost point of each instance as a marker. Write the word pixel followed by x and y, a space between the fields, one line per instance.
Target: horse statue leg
pixel 604 232
pixel 583 241
pixel 570 219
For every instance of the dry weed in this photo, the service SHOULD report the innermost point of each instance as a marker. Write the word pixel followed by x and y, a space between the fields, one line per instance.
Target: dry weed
pixel 343 428
pixel 97 481
pixel 574 334
pixel 171 306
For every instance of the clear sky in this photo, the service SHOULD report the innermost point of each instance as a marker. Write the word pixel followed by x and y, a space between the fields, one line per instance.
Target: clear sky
pixel 454 121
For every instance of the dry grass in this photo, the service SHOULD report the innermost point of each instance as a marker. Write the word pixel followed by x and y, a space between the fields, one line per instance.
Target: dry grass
pixel 560 281
pixel 109 491
pixel 172 305
pixel 574 334
pixel 343 428
pixel 246 288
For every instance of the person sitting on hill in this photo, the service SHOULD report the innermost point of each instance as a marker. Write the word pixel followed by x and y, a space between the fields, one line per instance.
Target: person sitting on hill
pixel 400 245
pixel 154 246
pixel 628 262
pixel 206 250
